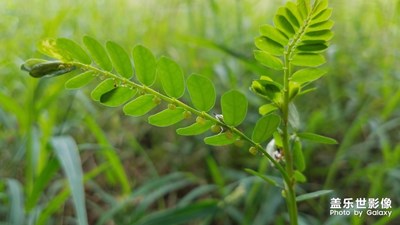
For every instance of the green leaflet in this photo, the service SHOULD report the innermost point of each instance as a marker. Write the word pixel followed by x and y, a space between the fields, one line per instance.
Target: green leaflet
pixel 283 24
pixel 294 118
pixel 268 45
pixel 268 60
pixel 317 138
pixel 263 177
pixel 312 195
pixel 145 65
pixel 313 35
pixel 322 5
pixel 304 7
pixel 234 107
pixel 265 127
pixel 318 47
pixel 299 176
pixel 293 11
pixel 171 76
pixel 140 106
pixel 267 108
pixel 117 96
pixel 98 53
pixel 167 117
pixel 324 25
pixel 73 50
pixel 291 16
pixel 80 80
pixel 324 15
pixel 221 139
pixel 267 89
pixel 298 156
pixel 49 48
pixel 307 75
pixel 202 92
pixel 308 59
pixel 273 34
pixel 104 87
pixel 120 59
pixel 195 129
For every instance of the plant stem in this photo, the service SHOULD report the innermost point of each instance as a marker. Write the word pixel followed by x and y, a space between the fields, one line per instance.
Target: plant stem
pixel 290 185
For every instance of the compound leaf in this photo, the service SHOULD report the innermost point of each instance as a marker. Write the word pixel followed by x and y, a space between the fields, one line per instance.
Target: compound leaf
pixel 202 92
pixel 145 65
pixel 120 59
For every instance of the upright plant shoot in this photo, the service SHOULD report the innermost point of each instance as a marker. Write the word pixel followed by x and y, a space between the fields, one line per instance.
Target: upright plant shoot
pixel 294 45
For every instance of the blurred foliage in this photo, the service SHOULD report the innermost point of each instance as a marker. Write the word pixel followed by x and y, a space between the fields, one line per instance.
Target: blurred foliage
pixel 358 103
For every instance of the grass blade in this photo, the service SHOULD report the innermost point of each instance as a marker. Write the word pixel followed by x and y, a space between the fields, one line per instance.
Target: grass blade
pixel 67 153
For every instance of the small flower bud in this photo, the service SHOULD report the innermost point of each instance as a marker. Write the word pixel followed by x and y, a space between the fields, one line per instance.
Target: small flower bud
pixel 253 150
pixel 239 143
pixel 216 128
pixel 171 106
pixel 187 114
pixel 229 134
pixel 200 120
pixel 156 100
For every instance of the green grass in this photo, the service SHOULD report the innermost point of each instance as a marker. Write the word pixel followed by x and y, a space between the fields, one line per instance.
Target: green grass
pixel 124 159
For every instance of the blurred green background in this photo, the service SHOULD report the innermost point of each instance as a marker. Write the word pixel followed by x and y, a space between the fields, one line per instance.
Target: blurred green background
pixel 357 103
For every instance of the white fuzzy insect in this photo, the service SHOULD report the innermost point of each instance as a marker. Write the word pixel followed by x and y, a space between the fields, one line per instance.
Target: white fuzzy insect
pixel 274 151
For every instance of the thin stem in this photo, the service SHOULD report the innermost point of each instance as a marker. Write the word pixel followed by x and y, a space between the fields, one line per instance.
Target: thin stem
pixel 290 185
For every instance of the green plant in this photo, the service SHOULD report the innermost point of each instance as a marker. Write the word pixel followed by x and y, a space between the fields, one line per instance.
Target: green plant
pixel 294 46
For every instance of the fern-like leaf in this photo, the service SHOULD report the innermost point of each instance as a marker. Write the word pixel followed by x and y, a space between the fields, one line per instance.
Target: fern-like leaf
pixel 301 33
